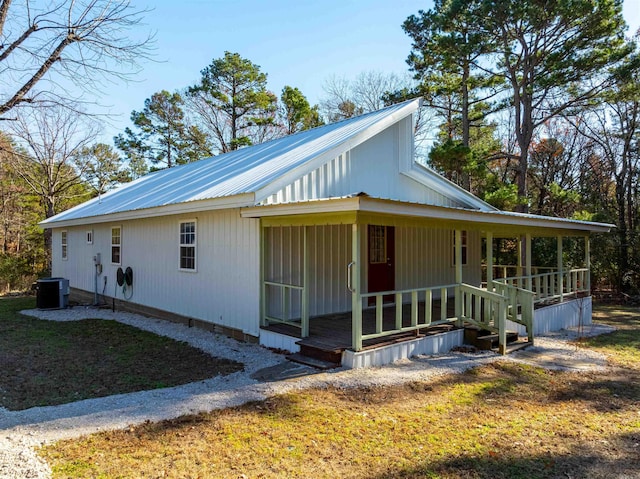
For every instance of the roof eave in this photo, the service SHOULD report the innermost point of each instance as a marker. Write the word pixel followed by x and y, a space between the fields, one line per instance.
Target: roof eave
pixel 459 215
pixel 226 202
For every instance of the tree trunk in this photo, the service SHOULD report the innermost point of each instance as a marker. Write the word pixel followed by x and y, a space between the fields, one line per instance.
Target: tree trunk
pixel 48 234
pixel 465 180
pixel 623 246
pixel 521 178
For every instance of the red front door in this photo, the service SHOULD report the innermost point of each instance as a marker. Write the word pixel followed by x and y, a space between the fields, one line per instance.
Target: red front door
pixel 381 252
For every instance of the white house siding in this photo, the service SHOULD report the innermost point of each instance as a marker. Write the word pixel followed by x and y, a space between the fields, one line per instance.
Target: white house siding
pixel 424 257
pixel 372 167
pixel 223 290
pixel 329 255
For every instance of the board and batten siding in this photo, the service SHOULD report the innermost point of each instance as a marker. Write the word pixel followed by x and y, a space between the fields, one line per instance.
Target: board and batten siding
pixel 329 255
pixel 424 257
pixel 223 290
pixel 372 167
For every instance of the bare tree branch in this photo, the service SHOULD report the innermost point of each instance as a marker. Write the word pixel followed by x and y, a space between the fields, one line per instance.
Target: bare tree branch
pixel 81 41
pixel 4 9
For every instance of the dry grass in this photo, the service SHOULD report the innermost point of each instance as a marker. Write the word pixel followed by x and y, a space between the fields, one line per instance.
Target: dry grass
pixel 46 363
pixel 498 421
pixel 624 344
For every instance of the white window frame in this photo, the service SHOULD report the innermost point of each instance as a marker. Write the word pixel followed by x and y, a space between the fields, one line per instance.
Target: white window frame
pixel 465 250
pixel 64 245
pixel 89 236
pixel 193 245
pixel 116 245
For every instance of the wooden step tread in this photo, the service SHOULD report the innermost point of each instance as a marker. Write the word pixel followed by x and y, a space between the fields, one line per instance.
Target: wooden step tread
pixel 313 362
pixel 495 336
pixel 518 346
pixel 320 346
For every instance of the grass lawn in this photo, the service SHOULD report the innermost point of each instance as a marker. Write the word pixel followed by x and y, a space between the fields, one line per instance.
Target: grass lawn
pixel 47 363
pixel 499 421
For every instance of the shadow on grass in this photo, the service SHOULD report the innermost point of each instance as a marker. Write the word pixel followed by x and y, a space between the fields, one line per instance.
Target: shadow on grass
pixel 613 457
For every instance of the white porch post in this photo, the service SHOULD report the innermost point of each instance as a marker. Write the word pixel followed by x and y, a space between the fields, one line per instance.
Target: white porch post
pixel 587 263
pixel 490 261
pixel 305 284
pixel 354 282
pixel 560 268
pixel 527 260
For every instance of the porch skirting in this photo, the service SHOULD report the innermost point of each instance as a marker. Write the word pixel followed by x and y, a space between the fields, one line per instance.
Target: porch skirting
pixel 568 314
pixel 435 344
pixel 283 342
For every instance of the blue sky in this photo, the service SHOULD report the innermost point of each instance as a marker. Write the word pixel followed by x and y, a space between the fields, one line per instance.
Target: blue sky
pixel 299 43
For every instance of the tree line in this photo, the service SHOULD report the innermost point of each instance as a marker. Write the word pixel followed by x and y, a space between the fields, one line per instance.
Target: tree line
pixel 531 105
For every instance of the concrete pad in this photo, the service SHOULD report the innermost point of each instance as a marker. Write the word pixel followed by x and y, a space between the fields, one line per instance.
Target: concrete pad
pixel 283 371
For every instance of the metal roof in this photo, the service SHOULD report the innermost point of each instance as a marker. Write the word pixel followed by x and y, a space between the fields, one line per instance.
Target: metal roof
pixel 254 172
pixel 242 171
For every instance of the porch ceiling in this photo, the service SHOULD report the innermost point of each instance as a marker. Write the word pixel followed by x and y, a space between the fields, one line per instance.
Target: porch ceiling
pixel 367 210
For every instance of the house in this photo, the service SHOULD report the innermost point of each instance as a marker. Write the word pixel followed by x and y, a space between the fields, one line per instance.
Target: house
pixel 332 242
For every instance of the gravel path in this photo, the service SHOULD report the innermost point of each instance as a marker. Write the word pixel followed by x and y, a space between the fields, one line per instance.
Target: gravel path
pixel 23 431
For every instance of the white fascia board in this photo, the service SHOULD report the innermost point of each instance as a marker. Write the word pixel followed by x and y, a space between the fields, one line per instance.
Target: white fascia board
pixel 374 205
pixel 391 207
pixel 236 201
pixel 333 205
pixel 431 179
pixel 346 145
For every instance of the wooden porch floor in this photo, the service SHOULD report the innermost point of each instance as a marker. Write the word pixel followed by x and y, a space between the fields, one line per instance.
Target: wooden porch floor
pixel 332 332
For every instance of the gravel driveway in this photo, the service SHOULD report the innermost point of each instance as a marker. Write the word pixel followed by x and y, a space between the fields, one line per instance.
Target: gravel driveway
pixel 265 374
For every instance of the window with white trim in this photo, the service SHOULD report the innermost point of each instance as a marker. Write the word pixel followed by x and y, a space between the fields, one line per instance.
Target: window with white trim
pixel 116 244
pixel 463 235
pixel 90 237
pixel 64 244
pixel 188 244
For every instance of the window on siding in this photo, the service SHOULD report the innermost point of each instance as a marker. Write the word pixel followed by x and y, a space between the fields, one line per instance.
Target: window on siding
pixel 188 245
pixel 63 244
pixel 116 244
pixel 90 237
pixel 377 244
pixel 464 248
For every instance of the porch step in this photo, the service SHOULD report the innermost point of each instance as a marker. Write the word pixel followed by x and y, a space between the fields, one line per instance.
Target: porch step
pixel 486 340
pixel 328 354
pixel 313 362
pixel 517 346
pixel 490 341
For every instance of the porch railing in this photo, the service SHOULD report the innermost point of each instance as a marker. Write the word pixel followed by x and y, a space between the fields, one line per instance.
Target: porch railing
pixel 549 286
pixel 286 306
pixel 511 270
pixel 486 309
pixel 483 308
pixel 436 302
pixel 520 305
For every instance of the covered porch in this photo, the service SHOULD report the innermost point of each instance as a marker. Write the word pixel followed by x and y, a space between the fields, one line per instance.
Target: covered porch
pixel 355 275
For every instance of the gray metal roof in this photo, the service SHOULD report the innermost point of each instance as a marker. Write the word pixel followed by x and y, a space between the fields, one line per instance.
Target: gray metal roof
pixel 249 170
